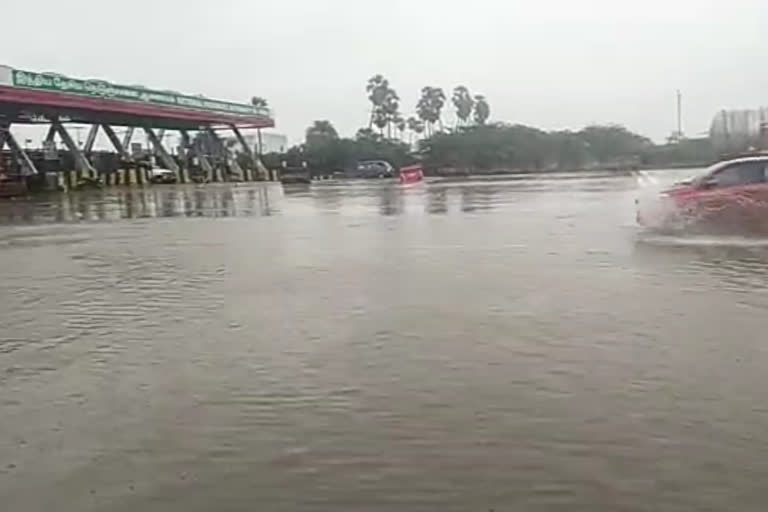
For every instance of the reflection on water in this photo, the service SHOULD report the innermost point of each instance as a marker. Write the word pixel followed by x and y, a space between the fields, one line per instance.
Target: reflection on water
pixel 508 344
pixel 256 200
pixel 131 203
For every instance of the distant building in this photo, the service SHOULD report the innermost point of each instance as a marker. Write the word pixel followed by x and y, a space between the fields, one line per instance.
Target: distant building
pixel 270 142
pixel 738 130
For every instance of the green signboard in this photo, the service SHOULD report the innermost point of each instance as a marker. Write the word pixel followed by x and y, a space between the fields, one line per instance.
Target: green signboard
pixel 105 90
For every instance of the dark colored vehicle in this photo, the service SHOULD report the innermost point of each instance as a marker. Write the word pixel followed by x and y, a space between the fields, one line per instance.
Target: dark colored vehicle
pixel 161 176
pixel 295 175
pixel 374 169
pixel 731 195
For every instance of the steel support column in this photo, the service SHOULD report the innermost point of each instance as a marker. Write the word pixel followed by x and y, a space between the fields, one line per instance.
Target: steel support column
pixel 218 175
pixel 27 166
pixel 184 157
pixel 200 155
pixel 230 160
pixel 161 137
pixel 160 151
pixel 91 139
pixel 3 135
pixel 248 152
pixel 51 134
pixel 113 138
pixel 127 137
pixel 84 166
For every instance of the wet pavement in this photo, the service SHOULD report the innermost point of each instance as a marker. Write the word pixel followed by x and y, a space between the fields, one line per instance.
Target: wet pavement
pixel 506 344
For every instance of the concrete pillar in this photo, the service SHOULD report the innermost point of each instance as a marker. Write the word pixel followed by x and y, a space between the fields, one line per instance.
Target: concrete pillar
pixel 183 175
pixel 128 178
pixel 61 181
pixel 140 176
pixel 235 166
pixel 262 171
pixel 70 180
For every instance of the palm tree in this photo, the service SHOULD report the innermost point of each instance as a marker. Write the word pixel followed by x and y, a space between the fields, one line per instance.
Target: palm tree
pixel 415 125
pixel 482 109
pixel 430 106
pixel 379 119
pixel 464 104
pixel 390 108
pixel 260 104
pixel 399 123
pixel 384 104
pixel 377 89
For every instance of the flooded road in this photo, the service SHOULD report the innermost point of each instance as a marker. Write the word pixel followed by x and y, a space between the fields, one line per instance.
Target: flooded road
pixel 508 344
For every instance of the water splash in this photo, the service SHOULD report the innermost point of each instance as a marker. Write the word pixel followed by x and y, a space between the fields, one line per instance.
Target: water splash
pixel 682 240
pixel 646 179
pixel 654 210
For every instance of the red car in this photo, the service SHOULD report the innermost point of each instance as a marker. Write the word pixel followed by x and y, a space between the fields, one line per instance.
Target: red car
pixel 731 195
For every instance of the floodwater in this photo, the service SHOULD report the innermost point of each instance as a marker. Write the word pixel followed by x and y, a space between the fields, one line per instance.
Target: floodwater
pixel 511 344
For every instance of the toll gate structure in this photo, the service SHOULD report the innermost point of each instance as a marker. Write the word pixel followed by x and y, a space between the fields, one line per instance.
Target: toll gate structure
pixel 28 97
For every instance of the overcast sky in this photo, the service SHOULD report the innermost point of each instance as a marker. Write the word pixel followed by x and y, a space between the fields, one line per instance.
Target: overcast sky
pixel 550 64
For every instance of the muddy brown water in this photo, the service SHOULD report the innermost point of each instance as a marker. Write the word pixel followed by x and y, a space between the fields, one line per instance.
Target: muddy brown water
pixel 510 344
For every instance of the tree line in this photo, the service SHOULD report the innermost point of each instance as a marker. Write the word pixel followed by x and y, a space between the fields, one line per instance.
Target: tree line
pixel 472 144
pixel 427 119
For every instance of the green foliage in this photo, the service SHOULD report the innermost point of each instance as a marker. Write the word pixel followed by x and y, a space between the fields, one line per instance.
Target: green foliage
pixel 377 88
pixel 258 102
pixel 321 131
pixel 684 152
pixel 325 152
pixel 272 160
pixel 416 125
pixel 430 106
pixel 519 147
pixel 482 109
pixel 612 142
pixel 474 144
pixel 464 104
pixel 385 104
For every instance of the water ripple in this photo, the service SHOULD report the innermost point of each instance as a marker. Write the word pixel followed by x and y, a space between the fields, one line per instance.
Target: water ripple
pixel 506 344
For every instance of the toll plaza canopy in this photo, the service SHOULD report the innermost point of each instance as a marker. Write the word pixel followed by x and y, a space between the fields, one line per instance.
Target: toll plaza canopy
pixel 28 95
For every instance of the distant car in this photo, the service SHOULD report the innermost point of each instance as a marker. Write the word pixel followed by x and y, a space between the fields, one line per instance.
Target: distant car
pixel 374 169
pixel 295 175
pixel 162 176
pixel 730 195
